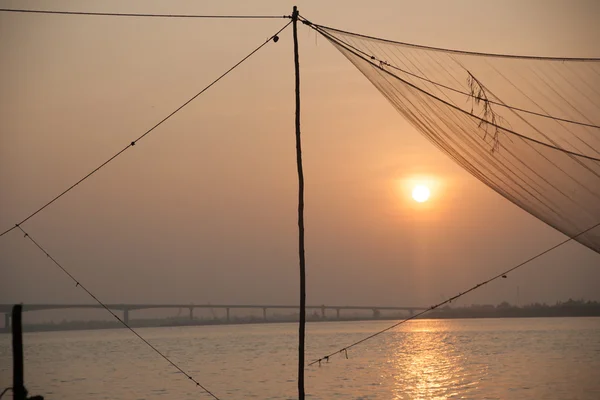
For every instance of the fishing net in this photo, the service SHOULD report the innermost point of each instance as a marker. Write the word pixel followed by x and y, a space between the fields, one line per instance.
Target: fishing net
pixel 528 127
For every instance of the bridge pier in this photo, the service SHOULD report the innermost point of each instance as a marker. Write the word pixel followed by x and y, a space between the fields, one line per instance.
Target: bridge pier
pixel 7 322
pixel 337 312
pixel 191 313
pixel 265 313
pixel 323 311
pixel 227 309
pixel 126 316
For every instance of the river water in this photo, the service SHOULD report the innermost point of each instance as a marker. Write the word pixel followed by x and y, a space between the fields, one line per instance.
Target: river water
pixel 533 358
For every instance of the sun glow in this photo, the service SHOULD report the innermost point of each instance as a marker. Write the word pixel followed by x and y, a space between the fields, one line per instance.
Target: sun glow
pixel 421 193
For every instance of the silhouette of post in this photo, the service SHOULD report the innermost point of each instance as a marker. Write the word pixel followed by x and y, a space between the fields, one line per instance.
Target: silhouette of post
pixel 126 315
pixel 301 255
pixel 376 313
pixel 265 313
pixel 191 313
pixel 19 392
pixel 411 312
pixel 337 312
pixel 227 314
pixel 323 311
pixel 7 322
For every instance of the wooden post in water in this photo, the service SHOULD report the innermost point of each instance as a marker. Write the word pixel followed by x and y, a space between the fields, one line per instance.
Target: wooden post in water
pixel 19 392
pixel 302 325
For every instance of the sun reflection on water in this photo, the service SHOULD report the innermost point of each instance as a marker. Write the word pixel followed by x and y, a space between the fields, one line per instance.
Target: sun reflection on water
pixel 428 363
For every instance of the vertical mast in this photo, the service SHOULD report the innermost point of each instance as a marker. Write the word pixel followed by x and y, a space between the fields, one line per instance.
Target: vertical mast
pixel 302 325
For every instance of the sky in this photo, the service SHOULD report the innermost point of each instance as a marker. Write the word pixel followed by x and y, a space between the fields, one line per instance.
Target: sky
pixel 204 208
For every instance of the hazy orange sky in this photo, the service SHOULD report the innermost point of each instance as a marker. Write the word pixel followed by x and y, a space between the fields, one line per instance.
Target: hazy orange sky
pixel 204 208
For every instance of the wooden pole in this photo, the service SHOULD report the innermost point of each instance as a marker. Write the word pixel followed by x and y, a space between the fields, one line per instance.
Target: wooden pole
pixel 19 392
pixel 302 325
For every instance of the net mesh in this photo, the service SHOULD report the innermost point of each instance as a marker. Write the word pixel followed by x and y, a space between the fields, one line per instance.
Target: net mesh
pixel 528 127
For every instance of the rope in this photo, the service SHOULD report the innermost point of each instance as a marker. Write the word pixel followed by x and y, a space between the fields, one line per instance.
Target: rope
pixel 126 325
pixel 274 38
pixel 459 295
pixel 4 392
pixel 110 14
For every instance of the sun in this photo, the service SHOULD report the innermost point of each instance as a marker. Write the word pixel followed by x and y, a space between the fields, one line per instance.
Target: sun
pixel 421 193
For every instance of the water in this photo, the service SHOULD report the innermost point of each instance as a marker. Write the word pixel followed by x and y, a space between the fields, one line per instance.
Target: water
pixel 537 358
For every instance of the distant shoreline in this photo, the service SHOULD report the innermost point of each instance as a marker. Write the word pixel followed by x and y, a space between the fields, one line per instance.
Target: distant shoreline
pixel 474 312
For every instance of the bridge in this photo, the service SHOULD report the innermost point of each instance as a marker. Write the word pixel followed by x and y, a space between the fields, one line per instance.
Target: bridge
pixel 127 308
